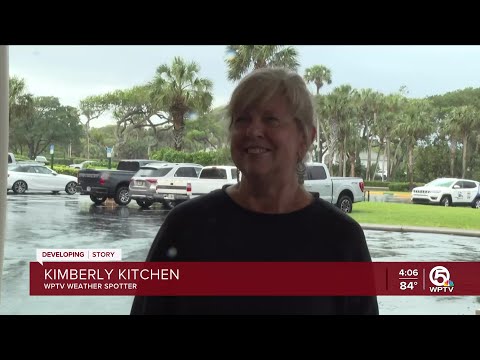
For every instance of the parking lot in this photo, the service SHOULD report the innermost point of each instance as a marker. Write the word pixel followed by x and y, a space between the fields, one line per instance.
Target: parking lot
pixel 62 221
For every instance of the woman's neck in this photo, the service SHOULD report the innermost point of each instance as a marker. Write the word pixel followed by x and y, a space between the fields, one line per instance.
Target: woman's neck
pixel 272 198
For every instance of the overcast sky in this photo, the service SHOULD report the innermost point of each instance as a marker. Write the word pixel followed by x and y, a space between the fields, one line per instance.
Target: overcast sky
pixel 72 73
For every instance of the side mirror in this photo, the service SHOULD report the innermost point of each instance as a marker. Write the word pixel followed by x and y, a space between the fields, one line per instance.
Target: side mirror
pixel 54 173
pixel 456 186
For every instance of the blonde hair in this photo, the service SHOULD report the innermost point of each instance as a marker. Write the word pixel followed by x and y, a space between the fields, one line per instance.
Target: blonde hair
pixel 261 85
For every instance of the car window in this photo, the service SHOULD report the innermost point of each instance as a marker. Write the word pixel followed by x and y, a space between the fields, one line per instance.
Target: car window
pixel 186 171
pixel 234 173
pixel 42 170
pixel 128 165
pixel 213 173
pixel 469 185
pixel 316 173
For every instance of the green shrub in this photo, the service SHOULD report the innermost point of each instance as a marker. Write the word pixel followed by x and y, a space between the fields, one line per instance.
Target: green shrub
pixel 377 183
pixel 402 186
pixel 66 170
pixel 214 157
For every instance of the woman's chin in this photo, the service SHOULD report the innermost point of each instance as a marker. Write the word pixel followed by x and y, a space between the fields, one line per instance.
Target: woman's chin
pixel 256 171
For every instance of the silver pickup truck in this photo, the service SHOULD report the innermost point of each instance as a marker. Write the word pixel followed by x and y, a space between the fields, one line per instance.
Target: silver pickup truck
pixel 340 191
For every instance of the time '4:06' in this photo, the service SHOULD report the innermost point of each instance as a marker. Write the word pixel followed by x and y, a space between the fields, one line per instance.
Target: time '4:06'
pixel 408 272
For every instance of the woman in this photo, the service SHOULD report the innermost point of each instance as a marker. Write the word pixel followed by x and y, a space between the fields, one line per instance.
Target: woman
pixel 268 215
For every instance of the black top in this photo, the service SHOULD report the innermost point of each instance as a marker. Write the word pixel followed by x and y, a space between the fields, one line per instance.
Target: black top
pixel 214 228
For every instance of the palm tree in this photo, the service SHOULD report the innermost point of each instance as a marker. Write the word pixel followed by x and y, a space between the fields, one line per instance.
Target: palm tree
pixel 18 100
pixel 180 91
pixel 319 75
pixel 242 58
pixel 452 130
pixel 416 124
pixel 464 119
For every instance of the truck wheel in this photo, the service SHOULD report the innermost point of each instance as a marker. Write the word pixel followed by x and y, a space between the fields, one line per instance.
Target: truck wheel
pixel 345 203
pixel 445 201
pixel 169 204
pixel 98 200
pixel 122 196
pixel 144 203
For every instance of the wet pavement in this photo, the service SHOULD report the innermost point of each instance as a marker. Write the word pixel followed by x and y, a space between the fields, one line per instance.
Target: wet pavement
pixel 62 221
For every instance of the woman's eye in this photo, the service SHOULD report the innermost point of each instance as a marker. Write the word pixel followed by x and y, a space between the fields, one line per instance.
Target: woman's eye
pixel 271 120
pixel 240 120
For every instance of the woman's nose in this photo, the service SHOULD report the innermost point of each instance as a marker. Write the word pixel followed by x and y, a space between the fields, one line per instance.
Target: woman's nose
pixel 255 127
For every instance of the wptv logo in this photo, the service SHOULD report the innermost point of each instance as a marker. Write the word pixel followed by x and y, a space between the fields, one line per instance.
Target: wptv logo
pixel 440 277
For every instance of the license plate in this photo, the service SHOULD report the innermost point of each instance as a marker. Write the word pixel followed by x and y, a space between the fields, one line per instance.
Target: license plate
pixel 89 188
pixel 169 196
pixel 138 183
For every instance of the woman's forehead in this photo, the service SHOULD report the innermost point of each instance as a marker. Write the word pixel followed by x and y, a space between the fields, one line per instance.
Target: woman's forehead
pixel 274 103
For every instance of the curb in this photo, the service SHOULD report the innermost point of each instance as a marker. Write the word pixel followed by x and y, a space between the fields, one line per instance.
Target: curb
pixel 421 229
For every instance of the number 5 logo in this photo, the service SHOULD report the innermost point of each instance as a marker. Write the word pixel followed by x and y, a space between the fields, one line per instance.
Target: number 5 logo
pixel 439 275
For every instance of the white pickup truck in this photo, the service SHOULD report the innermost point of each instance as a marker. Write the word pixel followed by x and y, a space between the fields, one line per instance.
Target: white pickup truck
pixel 213 178
pixel 340 191
pixel 177 190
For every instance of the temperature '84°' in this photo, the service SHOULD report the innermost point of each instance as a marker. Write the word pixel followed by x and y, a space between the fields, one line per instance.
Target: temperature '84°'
pixel 410 285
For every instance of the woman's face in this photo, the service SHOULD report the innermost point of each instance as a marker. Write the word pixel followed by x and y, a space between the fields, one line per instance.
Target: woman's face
pixel 266 141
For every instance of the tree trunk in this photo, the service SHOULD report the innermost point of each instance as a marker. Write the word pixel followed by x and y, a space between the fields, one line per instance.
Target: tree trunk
pixel 384 156
pixel 453 153
pixel 352 163
pixel 330 162
pixel 410 165
pixel 368 176
pixel 178 131
pixel 464 156
pixel 87 133
pixel 319 145
pixel 376 162
pixel 387 149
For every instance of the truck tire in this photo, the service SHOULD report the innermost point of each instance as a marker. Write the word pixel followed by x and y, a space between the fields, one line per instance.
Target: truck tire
pixel 169 204
pixel 446 200
pixel 122 196
pixel 144 204
pixel 98 200
pixel 344 203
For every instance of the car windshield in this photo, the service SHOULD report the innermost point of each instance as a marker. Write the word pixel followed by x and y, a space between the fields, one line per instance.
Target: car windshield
pixel 441 183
